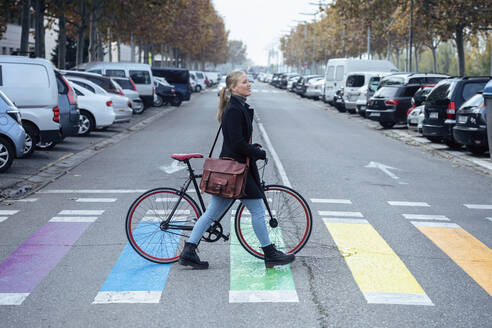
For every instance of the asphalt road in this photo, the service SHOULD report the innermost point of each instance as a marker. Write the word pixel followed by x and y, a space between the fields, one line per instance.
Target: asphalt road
pixel 402 236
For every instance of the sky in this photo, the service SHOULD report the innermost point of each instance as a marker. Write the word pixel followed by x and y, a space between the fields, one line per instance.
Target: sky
pixel 261 23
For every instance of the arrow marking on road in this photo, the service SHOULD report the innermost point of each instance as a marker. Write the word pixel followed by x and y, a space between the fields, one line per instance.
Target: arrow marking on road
pixel 385 168
pixel 173 168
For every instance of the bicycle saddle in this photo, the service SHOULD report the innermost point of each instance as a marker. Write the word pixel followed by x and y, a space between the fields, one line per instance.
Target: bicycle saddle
pixel 183 157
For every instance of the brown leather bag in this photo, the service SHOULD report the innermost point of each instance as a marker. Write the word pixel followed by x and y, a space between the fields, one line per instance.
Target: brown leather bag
pixel 224 177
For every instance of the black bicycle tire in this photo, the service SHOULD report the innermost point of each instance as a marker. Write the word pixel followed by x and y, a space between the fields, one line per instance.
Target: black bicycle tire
pixel 131 210
pixel 307 233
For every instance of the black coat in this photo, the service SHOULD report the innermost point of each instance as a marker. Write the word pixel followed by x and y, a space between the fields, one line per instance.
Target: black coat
pixel 237 128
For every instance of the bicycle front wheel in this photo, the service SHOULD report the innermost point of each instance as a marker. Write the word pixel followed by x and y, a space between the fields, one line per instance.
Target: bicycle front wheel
pixel 157 225
pixel 289 231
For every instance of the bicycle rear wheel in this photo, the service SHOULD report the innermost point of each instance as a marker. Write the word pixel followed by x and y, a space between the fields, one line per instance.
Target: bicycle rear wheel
pixel 148 229
pixel 291 212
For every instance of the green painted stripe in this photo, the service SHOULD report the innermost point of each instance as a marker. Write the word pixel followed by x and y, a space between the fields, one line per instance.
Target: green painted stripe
pixel 252 282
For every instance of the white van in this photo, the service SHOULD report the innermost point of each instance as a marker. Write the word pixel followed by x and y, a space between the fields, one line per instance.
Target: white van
pixel 355 89
pixel 141 75
pixel 31 85
pixel 199 79
pixel 338 68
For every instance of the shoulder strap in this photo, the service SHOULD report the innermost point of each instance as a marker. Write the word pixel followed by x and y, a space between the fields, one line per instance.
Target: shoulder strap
pixel 215 141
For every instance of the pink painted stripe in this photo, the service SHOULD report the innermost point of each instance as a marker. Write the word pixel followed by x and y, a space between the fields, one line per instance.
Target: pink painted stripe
pixel 27 266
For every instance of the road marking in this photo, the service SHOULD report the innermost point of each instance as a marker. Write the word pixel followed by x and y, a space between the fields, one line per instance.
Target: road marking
pixel 73 219
pixel 425 217
pixel 385 168
pixel 251 282
pixel 8 212
pixel 346 220
pixel 331 201
pixel 340 213
pixel 479 206
pixel 435 224
pixel 464 249
pixel 81 212
pixel 33 260
pixel 378 271
pixel 91 191
pixel 134 279
pixel 166 212
pixel 3 218
pixel 27 200
pixel 415 204
pixel 490 219
pixel 96 200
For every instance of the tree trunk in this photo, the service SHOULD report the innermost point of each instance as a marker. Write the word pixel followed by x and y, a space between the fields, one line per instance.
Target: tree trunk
pixel 416 58
pixel 397 50
pixel 118 48
pixel 132 47
pixel 62 41
pixel 460 50
pixel 100 47
pixel 92 37
pixel 434 59
pixel 162 55
pixel 388 50
pixel 26 13
pixel 139 51
pixel 368 42
pixel 410 37
pixel 39 8
pixel 110 46
pixel 81 33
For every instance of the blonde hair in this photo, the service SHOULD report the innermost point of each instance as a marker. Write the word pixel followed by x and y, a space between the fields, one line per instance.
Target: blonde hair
pixel 225 93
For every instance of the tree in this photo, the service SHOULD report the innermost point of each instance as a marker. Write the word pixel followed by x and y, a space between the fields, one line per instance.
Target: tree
pixel 236 53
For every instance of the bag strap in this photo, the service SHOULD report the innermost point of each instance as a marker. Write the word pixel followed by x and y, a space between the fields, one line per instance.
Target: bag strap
pixel 215 141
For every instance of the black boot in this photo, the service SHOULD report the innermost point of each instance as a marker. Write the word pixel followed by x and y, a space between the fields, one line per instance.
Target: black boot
pixel 275 257
pixel 189 257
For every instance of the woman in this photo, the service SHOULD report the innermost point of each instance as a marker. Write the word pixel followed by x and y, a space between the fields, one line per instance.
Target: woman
pixel 237 127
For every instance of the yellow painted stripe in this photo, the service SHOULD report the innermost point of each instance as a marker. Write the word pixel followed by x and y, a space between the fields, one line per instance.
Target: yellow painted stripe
pixel 377 270
pixel 465 250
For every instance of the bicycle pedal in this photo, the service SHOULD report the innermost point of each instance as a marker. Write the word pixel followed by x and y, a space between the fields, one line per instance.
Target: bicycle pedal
pixel 226 237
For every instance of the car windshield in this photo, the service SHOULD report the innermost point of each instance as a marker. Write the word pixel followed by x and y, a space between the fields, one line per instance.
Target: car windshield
pixel 393 80
pixel 115 72
pixel 443 90
pixel 373 83
pixel 475 101
pixel 125 84
pixel 355 81
pixel 140 77
pixel 386 92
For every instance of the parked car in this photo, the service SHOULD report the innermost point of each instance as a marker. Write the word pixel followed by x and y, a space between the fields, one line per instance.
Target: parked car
pixel 314 88
pixel 471 125
pixel 292 82
pixel 30 83
pixel 372 86
pixel 441 105
pixel 12 134
pixel 96 111
pixel 276 78
pixel 165 93
pixel 179 78
pixel 121 104
pixel 390 103
pixel 130 90
pixel 302 84
pixel 415 113
pixel 284 79
pixel 213 77
pixel 141 75
pixel 353 91
pixel 338 68
pixel 200 80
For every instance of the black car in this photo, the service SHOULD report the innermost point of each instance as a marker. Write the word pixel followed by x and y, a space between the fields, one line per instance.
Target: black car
pixel 471 125
pixel 276 79
pixel 284 80
pixel 179 78
pixel 165 93
pixel 441 104
pixel 392 100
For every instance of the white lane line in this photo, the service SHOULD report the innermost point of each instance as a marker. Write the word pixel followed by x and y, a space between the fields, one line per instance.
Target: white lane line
pixel 8 212
pixel 91 191
pixel 276 159
pixel 490 219
pixel 27 200
pixel 12 298
pixel 96 200
pixel 331 201
pixel 346 220
pixel 435 224
pixel 3 218
pixel 397 298
pixel 339 213
pixel 252 296
pixel 478 207
pixel 416 204
pixel 146 296
pixel 73 219
pixel 425 217
pixel 81 212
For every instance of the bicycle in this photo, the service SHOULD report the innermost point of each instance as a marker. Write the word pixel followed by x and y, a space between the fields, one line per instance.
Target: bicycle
pixel 160 220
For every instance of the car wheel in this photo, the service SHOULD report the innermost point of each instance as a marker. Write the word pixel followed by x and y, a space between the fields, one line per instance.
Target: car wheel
pixel 46 146
pixel 176 102
pixel 387 125
pixel 158 102
pixel 86 123
pixel 32 138
pixel 434 139
pixel 477 150
pixel 198 88
pixel 6 154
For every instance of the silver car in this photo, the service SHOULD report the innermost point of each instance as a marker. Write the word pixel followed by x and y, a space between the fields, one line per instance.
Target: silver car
pixel 12 134
pixel 130 90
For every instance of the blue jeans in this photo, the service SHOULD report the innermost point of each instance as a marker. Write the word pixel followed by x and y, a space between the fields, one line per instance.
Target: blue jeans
pixel 218 205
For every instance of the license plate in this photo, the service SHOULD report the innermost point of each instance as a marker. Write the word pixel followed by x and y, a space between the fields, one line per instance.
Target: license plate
pixel 339 100
pixel 363 107
pixel 434 115
pixel 375 114
pixel 462 119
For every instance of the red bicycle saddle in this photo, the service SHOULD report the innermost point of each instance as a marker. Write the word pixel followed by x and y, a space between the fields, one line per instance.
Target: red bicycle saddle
pixel 182 157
